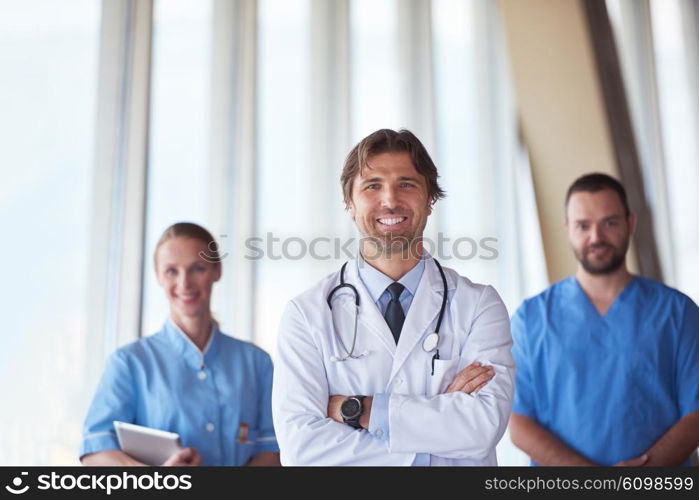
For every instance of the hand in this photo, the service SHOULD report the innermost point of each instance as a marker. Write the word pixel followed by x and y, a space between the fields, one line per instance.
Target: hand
pixel 186 457
pixel 471 379
pixel 265 459
pixel 634 462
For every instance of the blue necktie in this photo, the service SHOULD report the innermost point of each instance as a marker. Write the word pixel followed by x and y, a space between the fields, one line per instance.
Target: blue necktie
pixel 394 314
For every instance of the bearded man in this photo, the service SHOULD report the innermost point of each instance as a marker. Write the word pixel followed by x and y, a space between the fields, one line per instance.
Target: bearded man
pixel 607 362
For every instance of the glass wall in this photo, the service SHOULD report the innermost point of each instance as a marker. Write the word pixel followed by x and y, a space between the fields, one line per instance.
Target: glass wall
pixel 455 94
pixel 675 41
pixel 178 173
pixel 657 42
pixel 48 77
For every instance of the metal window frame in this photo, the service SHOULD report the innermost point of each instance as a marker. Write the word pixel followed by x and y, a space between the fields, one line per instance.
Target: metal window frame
pixel 622 134
pixel 331 117
pixel 119 185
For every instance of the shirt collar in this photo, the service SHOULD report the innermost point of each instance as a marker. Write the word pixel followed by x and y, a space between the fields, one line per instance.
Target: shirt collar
pixel 184 345
pixel 376 282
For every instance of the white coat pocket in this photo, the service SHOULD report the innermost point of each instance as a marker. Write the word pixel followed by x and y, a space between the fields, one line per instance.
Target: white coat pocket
pixel 444 372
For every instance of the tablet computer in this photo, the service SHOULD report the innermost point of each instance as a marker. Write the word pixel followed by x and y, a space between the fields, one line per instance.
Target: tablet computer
pixel 145 444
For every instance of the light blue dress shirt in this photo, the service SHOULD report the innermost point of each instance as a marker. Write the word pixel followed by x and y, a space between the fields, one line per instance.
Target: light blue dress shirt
pixel 218 400
pixel 376 284
pixel 608 386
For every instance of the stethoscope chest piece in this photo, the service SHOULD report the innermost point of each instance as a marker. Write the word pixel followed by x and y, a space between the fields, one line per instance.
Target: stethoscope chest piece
pixel 431 341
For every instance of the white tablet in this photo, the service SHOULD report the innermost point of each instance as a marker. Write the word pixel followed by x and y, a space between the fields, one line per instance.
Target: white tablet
pixel 145 444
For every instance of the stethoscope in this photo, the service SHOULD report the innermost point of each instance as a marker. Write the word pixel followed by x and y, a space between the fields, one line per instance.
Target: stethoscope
pixel 431 342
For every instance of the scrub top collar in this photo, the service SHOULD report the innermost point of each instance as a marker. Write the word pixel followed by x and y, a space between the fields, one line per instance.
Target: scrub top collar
pixel 575 291
pixel 190 352
pixel 376 282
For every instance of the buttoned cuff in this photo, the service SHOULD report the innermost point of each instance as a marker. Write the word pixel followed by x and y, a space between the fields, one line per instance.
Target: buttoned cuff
pixel 378 420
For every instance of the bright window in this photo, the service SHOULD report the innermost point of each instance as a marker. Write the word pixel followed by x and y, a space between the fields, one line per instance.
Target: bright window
pixel 178 173
pixel 376 86
pixel 679 109
pixel 48 56
pixel 283 187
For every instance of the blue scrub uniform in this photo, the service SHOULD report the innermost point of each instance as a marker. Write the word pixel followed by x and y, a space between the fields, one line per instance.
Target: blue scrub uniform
pixel 608 386
pixel 218 401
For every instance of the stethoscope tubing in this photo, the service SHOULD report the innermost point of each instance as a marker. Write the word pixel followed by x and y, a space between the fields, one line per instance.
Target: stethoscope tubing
pixel 355 292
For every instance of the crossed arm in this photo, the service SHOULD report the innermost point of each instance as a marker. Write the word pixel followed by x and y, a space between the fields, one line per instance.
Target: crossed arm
pixel 470 380
pixel 417 423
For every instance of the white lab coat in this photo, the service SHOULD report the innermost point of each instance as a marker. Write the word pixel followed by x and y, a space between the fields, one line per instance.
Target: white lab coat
pixel 455 428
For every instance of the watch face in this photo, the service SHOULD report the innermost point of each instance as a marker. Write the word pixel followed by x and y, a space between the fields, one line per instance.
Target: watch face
pixel 350 408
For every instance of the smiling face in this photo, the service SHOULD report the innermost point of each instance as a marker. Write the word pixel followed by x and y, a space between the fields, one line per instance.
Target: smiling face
pixel 389 204
pixel 185 276
pixel 599 230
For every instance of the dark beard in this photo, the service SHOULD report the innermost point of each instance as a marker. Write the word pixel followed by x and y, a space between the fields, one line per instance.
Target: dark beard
pixel 390 246
pixel 613 265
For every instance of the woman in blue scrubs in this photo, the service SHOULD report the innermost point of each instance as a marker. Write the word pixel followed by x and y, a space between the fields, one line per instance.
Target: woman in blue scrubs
pixel 189 378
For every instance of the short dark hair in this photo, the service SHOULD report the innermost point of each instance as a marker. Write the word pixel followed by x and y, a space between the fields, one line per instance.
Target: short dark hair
pixel 390 141
pixel 592 183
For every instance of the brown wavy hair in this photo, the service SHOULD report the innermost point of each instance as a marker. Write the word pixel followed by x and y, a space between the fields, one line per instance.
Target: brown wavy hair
pixel 390 141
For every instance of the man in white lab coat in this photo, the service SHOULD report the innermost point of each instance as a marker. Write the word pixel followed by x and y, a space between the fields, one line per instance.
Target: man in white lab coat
pixel 360 377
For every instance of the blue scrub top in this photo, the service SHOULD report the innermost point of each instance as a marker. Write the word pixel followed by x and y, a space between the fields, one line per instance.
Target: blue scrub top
pixel 608 386
pixel 218 400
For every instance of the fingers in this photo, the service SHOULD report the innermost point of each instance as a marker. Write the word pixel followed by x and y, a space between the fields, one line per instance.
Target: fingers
pixel 471 378
pixel 176 458
pixel 479 387
pixel 464 377
pixel 477 383
pixel 196 459
pixel 184 457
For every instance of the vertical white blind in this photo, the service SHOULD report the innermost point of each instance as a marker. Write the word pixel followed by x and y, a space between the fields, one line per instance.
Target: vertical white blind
pixel 178 170
pixel 676 36
pixel 240 121
pixel 48 63
pixel 284 173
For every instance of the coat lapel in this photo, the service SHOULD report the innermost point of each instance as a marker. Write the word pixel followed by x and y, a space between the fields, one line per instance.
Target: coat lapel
pixel 370 318
pixel 422 315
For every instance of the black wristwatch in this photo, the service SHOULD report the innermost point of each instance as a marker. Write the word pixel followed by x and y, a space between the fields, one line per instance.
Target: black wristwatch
pixel 351 409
